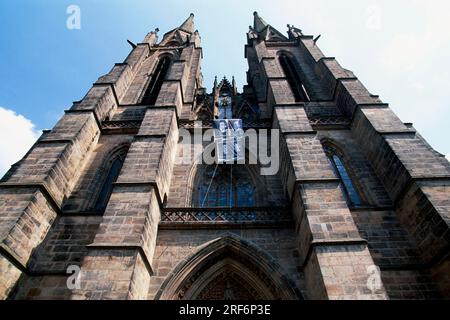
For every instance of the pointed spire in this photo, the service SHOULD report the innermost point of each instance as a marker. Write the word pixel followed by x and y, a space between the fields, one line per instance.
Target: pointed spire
pixel 188 24
pixel 258 23
pixel 181 34
pixel 264 30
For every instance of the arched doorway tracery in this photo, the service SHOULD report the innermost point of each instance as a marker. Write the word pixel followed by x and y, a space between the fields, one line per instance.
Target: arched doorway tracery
pixel 228 268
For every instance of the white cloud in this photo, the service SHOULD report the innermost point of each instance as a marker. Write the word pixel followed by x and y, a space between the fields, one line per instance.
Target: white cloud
pixel 408 50
pixel 17 135
pixel 373 16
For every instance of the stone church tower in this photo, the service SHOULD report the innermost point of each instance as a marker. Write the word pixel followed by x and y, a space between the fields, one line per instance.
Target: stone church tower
pixel 102 208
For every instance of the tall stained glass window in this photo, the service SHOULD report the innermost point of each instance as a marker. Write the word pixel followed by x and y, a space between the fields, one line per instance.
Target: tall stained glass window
pixel 349 190
pixel 223 186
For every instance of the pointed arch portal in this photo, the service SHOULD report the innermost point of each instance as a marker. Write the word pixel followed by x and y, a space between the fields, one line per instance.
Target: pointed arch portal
pixel 228 268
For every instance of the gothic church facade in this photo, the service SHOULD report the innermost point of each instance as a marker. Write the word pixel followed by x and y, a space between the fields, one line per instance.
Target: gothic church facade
pixel 100 208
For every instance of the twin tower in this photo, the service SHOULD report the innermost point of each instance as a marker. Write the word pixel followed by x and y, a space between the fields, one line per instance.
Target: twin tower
pixel 101 208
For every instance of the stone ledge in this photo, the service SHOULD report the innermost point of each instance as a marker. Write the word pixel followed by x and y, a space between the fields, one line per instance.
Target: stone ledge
pixel 309 132
pixel 406 132
pixel 318 181
pixel 378 105
pixel 165 225
pixel 25 269
pixel 145 44
pixel 110 84
pixel 331 243
pixel 125 247
pixel 142 184
pixel 291 105
pixel 19 250
pixel 144 136
pixel 86 111
pixel 71 126
pixel 342 79
pixel 44 140
pixel 12 258
pixel 326 58
pixel 412 182
pixel 40 186
pixel 280 43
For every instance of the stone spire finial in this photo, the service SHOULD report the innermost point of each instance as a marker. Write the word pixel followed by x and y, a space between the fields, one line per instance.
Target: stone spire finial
pixel 188 24
pixel 258 23
pixel 261 29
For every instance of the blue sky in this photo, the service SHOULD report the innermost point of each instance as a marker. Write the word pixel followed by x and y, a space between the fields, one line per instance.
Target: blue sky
pixel 399 50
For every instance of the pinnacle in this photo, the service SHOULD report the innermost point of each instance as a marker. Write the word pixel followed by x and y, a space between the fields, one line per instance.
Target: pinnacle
pixel 265 29
pixel 258 23
pixel 188 24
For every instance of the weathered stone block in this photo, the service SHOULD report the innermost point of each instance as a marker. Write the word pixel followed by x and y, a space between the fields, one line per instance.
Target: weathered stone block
pixel 102 270
pixel 158 122
pixel 291 119
pixel 120 77
pixel 25 218
pixel 280 92
pixel 137 56
pixel 10 275
pixel 100 99
pixel 308 157
pixel 170 95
